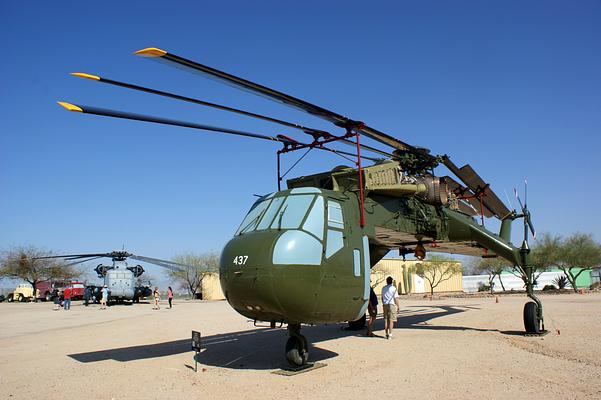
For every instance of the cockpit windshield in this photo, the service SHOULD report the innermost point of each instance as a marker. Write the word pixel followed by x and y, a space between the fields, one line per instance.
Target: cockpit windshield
pixel 286 212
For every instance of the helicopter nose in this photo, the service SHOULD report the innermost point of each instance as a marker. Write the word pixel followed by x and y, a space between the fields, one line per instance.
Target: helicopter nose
pixel 246 275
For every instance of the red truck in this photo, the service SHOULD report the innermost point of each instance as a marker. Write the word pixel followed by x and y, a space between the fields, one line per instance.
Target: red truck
pixel 46 289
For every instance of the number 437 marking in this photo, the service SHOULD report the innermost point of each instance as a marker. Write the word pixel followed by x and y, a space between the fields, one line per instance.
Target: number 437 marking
pixel 240 260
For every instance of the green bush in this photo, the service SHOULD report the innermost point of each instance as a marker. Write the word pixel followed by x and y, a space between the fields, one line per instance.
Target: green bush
pixel 483 287
pixel 562 282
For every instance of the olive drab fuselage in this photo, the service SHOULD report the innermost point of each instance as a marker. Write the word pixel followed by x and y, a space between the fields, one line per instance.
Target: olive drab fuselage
pixel 301 256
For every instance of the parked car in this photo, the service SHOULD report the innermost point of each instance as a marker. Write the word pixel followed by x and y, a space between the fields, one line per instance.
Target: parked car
pixel 23 292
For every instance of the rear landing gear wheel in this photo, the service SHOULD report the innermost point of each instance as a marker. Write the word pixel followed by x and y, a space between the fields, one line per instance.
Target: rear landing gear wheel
pixel 531 322
pixel 297 351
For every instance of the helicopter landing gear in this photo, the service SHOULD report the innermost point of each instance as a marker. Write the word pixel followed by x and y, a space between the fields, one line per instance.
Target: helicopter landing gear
pixel 297 347
pixel 531 322
pixel 533 310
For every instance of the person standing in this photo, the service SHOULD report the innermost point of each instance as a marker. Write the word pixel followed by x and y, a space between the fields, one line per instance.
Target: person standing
pixel 57 299
pixel 67 298
pixel 372 309
pixel 170 296
pixel 157 298
pixel 389 298
pixel 105 298
pixel 87 294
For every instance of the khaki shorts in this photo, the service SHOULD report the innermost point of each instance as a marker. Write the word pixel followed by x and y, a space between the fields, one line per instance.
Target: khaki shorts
pixel 390 311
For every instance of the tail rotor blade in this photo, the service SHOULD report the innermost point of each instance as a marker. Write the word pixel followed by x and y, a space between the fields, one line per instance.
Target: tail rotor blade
pixel 531 226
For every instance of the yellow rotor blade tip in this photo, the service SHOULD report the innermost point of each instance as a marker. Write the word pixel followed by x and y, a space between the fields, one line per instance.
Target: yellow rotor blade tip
pixel 70 107
pixel 150 52
pixel 85 76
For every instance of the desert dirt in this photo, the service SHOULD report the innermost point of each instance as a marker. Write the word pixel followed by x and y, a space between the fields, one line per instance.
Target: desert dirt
pixel 444 349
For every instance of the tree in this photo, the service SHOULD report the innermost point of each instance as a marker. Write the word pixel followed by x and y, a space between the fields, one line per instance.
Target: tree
pixel 573 256
pixel 580 253
pixel 493 267
pixel 24 263
pixel 197 267
pixel 437 270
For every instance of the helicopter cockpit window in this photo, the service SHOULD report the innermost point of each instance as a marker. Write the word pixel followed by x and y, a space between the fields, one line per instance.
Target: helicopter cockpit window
pixel 286 212
pixel 335 237
pixel 270 213
pixel 314 222
pixel 335 242
pixel 293 212
pixel 335 215
pixel 253 217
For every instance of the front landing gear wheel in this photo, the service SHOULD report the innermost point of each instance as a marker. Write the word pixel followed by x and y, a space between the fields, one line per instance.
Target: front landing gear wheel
pixel 531 322
pixel 297 351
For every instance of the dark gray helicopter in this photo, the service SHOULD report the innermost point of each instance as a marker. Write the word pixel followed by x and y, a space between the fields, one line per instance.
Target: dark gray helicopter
pixel 120 278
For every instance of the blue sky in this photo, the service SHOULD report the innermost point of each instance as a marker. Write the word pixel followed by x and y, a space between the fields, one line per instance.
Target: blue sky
pixel 513 88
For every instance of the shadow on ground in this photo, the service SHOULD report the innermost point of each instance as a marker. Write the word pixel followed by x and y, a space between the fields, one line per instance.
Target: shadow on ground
pixel 263 348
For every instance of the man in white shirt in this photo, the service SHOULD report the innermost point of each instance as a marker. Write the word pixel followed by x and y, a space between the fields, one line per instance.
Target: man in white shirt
pixel 389 296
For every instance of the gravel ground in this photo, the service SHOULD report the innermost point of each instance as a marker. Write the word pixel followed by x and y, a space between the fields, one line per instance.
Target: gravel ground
pixel 445 348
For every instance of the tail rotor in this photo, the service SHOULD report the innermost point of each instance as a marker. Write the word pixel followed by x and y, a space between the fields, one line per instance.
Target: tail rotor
pixel 528 225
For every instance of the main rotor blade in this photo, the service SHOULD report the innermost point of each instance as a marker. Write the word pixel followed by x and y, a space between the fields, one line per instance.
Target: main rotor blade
pixel 336 119
pixel 76 256
pixel 472 180
pixel 165 121
pixel 305 129
pixel 171 265
pixel 81 261
pixel 147 118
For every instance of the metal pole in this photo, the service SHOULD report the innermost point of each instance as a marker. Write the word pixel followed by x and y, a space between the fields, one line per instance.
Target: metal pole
pixel 362 220
pixel 279 179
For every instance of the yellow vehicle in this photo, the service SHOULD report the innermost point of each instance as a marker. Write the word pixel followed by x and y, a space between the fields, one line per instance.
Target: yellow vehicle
pixel 23 292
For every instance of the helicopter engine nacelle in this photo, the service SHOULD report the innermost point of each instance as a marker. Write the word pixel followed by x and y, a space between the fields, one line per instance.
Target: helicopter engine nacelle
pixel 388 179
pixel 101 270
pixel 436 193
pixel 137 270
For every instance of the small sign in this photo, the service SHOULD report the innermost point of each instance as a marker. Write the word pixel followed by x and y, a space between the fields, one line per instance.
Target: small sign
pixel 196 341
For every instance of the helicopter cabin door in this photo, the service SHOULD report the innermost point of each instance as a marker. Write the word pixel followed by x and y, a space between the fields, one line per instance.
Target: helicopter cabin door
pixel 361 269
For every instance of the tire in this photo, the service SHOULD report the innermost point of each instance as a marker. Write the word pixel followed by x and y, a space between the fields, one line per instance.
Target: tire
pixel 21 298
pixel 48 297
pixel 531 323
pixel 297 352
pixel 10 298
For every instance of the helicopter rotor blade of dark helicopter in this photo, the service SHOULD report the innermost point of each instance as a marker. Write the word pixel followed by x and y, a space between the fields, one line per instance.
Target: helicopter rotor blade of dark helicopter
pixel 336 119
pixel 305 129
pixel 474 182
pixel 69 257
pixel 81 261
pixel 171 265
pixel 165 121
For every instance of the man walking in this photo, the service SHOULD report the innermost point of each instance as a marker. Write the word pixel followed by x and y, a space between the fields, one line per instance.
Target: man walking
pixel 389 296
